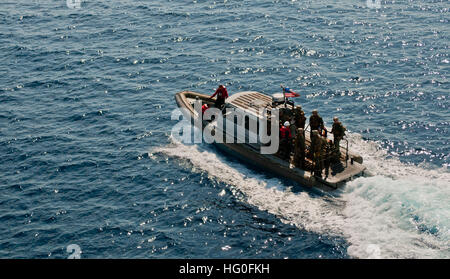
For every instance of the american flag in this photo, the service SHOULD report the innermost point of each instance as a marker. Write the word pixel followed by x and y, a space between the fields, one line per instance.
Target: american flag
pixel 288 93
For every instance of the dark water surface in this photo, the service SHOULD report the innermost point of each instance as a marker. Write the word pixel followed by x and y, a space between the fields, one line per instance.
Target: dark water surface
pixel 87 157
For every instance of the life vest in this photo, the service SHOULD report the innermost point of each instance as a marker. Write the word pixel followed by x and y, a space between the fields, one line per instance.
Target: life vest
pixel 204 108
pixel 285 132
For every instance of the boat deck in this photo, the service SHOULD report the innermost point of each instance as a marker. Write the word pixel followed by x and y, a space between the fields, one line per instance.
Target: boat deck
pixel 338 173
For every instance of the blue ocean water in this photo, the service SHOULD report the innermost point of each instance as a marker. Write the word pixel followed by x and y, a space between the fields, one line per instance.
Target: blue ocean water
pixel 86 152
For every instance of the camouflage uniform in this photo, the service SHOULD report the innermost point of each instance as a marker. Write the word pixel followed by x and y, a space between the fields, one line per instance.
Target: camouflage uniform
pixel 300 118
pixel 316 148
pixel 316 123
pixel 299 149
pixel 328 155
pixel 338 132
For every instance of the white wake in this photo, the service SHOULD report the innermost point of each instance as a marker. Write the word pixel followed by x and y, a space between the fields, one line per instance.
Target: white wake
pixel 402 211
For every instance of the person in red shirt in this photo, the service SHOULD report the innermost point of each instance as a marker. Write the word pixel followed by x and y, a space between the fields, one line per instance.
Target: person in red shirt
pixel 222 94
pixel 286 131
pixel 285 141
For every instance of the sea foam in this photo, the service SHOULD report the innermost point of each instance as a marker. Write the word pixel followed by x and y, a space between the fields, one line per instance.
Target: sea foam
pixel 399 211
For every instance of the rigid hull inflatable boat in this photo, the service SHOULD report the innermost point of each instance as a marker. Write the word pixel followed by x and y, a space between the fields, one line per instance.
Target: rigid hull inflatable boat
pixel 349 165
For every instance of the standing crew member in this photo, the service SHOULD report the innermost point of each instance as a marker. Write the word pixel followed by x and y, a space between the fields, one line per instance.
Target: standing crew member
pixel 293 127
pixel 222 94
pixel 327 155
pixel 285 140
pixel 316 123
pixel 338 132
pixel 316 148
pixel 300 118
pixel 299 149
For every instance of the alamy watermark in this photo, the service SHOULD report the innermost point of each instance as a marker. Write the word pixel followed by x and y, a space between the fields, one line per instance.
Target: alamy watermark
pixel 373 4
pixel 76 4
pixel 373 251
pixel 230 125
pixel 74 250
pixel 73 4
